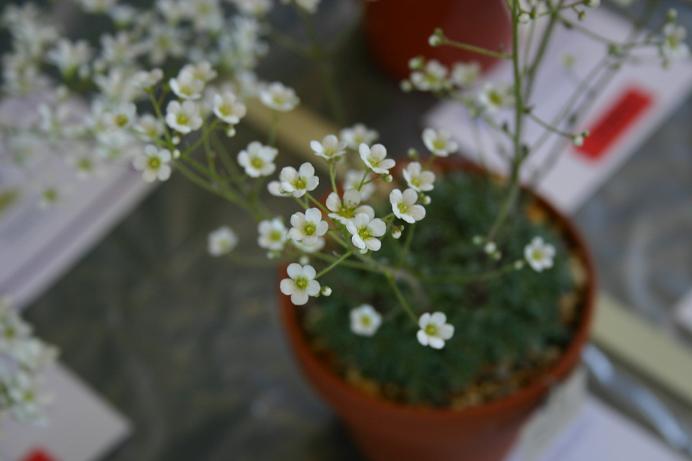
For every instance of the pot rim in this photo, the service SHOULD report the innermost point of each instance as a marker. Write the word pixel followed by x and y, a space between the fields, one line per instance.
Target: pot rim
pixel 534 391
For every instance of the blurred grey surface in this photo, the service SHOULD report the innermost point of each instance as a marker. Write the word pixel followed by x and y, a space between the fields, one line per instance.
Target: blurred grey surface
pixel 189 347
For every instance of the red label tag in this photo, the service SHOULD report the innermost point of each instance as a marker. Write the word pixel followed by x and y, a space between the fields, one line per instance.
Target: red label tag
pixel 631 105
pixel 38 455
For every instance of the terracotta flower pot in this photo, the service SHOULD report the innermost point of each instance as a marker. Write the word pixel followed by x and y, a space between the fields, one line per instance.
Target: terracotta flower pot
pixel 397 30
pixel 388 431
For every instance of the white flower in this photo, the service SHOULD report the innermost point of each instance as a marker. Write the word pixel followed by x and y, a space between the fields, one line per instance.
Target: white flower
pixel 433 77
pixel 301 283
pixel 434 330
pixel 272 234
pixel 297 183
pixel 122 116
pixel 186 85
pixel 465 74
pixel 149 127
pixel 439 142
pixel 365 231
pixel 539 254
pixel 221 241
pixel 206 15
pixel 164 40
pixel 404 205
pixel 145 80
pixel 356 135
pixel 418 179
pixel 153 163
pixel 228 107
pixel 330 147
pixel 308 227
pixel 494 98
pixel 257 159
pixel 375 158
pixel 184 117
pixel 674 46
pixel 346 210
pixel 365 320
pixel 202 71
pixel 279 97
pixel 353 180
pixel 69 57
pixel 592 3
pixel 311 247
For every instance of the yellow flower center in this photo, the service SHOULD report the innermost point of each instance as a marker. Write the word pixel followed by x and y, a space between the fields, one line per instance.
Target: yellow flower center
pixel 301 283
pixel 299 183
pixel 154 163
pixel 430 329
pixel 309 228
pixel 256 162
pixel 275 235
pixel 121 120
pixel 182 119
pixel 403 207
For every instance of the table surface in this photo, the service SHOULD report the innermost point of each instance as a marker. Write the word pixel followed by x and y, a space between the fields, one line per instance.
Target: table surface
pixel 189 347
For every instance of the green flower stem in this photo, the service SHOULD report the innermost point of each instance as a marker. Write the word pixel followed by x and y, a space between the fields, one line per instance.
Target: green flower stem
pixel 351 264
pixel 271 139
pixel 332 175
pixel 317 203
pixel 333 265
pixel 549 127
pixel 542 47
pixel 400 297
pixel 444 40
pixel 518 121
pixel 325 67
pixel 475 277
pixel 407 244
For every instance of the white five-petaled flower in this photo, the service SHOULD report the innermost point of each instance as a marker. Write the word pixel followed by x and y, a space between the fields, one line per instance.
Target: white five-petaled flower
pixel 405 207
pixel 279 97
pixel 301 283
pixel 375 158
pixel 365 320
pixel 674 46
pixel 308 227
pixel 153 163
pixel 494 98
pixel 345 210
pixel 272 234
pixel 417 178
pixel 432 77
pixel 365 232
pixel 221 241
pixel 184 117
pixel 356 135
pixel 434 330
pixel 149 127
pixel 297 182
pixel 439 142
pixel 329 148
pixel 228 107
pixel 258 159
pixel 359 181
pixel 186 86
pixel 122 116
pixel 539 254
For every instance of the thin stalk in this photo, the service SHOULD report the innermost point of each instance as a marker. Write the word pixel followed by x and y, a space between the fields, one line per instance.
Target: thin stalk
pixel 333 265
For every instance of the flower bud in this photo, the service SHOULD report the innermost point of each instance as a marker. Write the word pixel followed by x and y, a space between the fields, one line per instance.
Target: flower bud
pixel 304 260
pixel 176 153
pixel 490 248
pixel 425 199
pixel 477 240
pixel 176 140
pixel 230 132
pixel 396 232
pixel 388 178
pixel 406 86
pixel 326 291
pixel 416 63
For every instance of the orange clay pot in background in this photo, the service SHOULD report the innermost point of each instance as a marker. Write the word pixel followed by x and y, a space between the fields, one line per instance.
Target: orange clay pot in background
pixel 388 431
pixel 398 30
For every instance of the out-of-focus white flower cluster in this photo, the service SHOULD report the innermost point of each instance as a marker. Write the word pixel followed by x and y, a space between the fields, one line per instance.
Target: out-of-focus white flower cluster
pixel 83 99
pixel 23 359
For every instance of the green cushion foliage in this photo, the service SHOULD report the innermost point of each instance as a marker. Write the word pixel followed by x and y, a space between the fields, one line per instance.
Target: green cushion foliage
pixel 500 323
